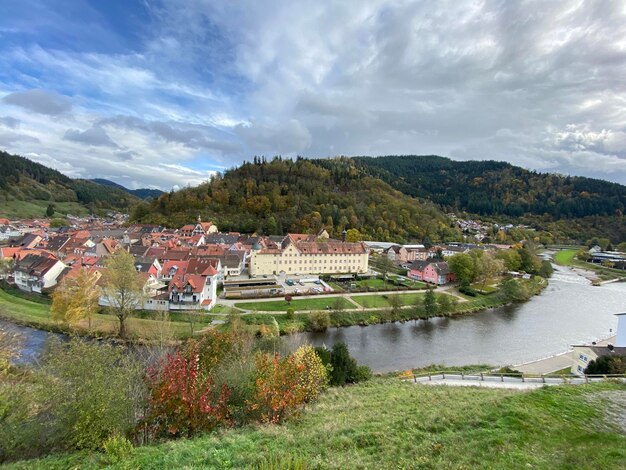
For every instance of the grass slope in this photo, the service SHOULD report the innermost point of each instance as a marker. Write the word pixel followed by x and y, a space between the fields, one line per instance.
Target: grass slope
pixel 388 424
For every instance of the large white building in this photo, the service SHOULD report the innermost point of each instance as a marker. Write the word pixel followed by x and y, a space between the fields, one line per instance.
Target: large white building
pixel 307 254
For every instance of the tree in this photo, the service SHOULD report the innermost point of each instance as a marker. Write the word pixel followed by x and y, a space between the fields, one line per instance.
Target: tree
pixel 546 269
pixel 50 210
pixel 6 267
pixel 430 303
pixel 396 305
pixel 353 236
pixel 76 298
pixel 463 266
pixel 511 259
pixel 123 287
pixel 607 365
pixel 427 242
pixel 445 303
pixel 487 267
pixel 288 299
pixel 384 266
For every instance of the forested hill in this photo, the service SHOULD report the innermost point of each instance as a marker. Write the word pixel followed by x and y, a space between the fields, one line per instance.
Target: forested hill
pixel 27 188
pixel 496 188
pixel 141 193
pixel 273 197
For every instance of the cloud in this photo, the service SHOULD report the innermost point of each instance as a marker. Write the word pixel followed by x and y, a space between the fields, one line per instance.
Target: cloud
pixel 93 136
pixel 9 122
pixel 40 101
pixel 209 84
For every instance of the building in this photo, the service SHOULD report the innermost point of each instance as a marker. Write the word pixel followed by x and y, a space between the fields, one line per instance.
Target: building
pixel 200 228
pixel 306 254
pixel 583 354
pixel 435 272
pixel 37 272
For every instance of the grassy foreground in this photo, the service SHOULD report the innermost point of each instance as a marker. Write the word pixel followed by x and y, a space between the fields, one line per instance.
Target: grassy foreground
pixel 385 423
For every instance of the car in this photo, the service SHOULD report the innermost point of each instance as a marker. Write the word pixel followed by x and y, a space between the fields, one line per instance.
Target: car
pixel 289 282
pixel 296 290
pixel 318 282
pixel 301 283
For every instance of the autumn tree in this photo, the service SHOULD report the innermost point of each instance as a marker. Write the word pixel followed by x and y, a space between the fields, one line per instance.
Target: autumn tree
pixel 353 235
pixel 384 265
pixel 123 287
pixel 76 298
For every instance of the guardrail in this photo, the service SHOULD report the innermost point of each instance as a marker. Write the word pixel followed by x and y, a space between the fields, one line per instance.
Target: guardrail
pixel 511 377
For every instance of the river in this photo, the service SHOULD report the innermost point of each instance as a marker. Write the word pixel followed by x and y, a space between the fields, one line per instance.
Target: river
pixel 569 311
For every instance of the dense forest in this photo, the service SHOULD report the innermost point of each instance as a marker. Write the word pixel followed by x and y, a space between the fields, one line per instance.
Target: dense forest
pixel 496 189
pixel 23 180
pixel 141 193
pixel 273 197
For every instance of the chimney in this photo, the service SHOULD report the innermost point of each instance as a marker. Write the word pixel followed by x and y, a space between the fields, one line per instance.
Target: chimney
pixel 620 337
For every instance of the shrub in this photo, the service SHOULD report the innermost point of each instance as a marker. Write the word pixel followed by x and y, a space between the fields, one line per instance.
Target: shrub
pixel 344 367
pixel 117 448
pixel 467 290
pixel 313 377
pixel 96 391
pixel 607 365
pixel 183 399
pixel 319 321
pixel 276 394
pixel 291 314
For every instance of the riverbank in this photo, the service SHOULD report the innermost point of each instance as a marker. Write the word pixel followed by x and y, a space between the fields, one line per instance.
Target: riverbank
pixel 385 423
pixel 408 309
pixel 26 312
pixel 590 271
pixel 179 326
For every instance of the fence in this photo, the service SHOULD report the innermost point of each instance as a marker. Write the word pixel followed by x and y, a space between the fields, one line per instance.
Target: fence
pixel 511 377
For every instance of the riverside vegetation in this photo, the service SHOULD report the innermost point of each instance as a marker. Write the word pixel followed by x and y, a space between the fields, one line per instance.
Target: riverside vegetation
pixel 89 396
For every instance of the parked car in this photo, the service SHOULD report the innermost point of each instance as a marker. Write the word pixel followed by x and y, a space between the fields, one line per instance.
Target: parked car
pixel 301 283
pixel 289 282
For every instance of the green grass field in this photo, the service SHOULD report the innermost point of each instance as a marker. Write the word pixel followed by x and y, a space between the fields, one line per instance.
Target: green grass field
pixel 385 423
pixel 568 258
pixel 37 209
pixel 297 304
pixel 382 301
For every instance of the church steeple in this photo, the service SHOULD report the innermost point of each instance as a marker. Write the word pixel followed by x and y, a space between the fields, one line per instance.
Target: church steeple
pixel 199 219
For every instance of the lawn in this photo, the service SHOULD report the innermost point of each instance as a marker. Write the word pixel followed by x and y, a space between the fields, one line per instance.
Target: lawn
pixel 382 301
pixel 385 423
pixel 564 257
pixel 297 304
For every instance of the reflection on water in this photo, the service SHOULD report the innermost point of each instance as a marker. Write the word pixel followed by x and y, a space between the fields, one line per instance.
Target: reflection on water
pixel 569 311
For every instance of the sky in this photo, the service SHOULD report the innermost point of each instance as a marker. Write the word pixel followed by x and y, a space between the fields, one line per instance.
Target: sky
pixel 163 93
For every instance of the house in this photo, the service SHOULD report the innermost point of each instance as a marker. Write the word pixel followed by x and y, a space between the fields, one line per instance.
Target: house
pixel 435 272
pixel 583 354
pixel 170 268
pixel 37 272
pixel 303 253
pixel 192 291
pixel 200 228
pixel 451 250
pixel 28 240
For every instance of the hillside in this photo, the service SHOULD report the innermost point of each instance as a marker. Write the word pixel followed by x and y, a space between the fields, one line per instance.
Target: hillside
pixel 277 196
pixel 141 193
pixel 387 424
pixel 591 207
pixel 27 188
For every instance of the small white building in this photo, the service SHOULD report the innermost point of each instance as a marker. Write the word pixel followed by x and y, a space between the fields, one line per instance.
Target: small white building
pixel 583 354
pixel 36 272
